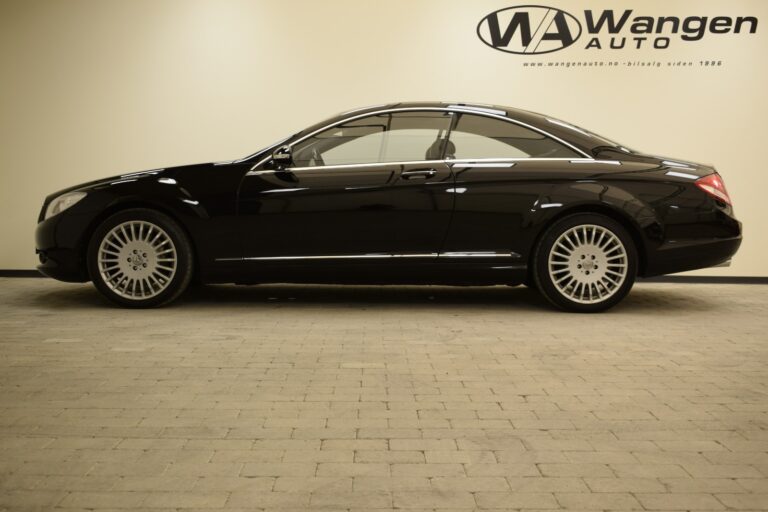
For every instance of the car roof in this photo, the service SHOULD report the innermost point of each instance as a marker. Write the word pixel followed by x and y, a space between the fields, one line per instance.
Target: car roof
pixel 579 137
pixel 515 113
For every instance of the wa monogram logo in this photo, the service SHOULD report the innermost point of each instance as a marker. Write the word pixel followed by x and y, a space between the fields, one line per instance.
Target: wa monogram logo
pixel 529 29
pixel 537 29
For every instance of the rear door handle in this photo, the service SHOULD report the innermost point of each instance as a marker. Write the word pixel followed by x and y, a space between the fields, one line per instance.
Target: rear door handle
pixel 420 174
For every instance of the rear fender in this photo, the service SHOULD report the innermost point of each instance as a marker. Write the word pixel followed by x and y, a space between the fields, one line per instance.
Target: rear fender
pixel 638 217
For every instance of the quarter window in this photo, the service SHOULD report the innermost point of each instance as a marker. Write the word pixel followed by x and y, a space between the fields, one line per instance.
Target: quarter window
pixel 398 137
pixel 485 137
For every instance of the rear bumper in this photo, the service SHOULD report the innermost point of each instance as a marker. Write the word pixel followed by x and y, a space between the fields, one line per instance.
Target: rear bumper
pixel 691 255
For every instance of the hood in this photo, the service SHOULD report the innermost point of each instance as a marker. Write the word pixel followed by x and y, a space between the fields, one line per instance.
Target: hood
pixel 131 176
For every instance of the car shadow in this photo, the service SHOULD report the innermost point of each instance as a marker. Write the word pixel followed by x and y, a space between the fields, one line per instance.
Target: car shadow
pixel 644 298
pixel 356 295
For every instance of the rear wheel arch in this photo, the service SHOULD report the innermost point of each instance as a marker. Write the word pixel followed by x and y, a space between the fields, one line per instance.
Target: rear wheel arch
pixel 622 218
pixel 585 262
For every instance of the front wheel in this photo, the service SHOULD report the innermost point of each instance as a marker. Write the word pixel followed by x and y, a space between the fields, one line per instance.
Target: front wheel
pixel 140 258
pixel 585 263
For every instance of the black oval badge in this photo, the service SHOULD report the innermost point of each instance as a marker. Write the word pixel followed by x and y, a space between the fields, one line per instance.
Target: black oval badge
pixel 529 29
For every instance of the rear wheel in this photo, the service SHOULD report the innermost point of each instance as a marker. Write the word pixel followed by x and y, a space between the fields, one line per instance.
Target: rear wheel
pixel 140 258
pixel 585 263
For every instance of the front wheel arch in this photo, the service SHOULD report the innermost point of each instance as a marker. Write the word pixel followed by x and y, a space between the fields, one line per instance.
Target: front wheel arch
pixel 161 281
pixel 130 205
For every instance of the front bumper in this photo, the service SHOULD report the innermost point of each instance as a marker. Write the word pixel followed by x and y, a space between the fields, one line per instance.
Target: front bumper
pixel 60 251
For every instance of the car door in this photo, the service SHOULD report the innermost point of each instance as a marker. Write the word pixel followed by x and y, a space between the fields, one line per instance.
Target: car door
pixel 367 189
pixel 501 169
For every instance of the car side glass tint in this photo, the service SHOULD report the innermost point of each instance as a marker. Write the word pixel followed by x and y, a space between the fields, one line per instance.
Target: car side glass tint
pixel 397 137
pixel 485 137
pixel 412 136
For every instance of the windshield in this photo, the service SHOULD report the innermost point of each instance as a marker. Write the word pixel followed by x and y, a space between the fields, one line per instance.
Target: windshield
pixel 264 150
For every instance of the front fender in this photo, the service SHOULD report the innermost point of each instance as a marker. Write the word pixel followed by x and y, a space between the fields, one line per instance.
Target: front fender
pixel 163 192
pixel 71 230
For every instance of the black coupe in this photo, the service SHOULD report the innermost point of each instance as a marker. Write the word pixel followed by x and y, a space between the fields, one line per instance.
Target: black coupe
pixel 431 193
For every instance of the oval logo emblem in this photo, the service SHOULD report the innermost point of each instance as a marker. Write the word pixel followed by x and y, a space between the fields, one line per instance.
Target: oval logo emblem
pixel 529 29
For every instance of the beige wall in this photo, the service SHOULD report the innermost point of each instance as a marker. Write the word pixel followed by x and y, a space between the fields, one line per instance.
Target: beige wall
pixel 96 88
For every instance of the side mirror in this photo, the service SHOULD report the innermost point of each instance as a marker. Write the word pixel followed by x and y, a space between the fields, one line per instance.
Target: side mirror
pixel 282 156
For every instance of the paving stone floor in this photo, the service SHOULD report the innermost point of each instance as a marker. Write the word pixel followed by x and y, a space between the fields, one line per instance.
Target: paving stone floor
pixel 383 398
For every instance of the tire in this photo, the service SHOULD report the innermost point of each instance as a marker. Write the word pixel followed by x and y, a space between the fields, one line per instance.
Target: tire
pixel 585 263
pixel 140 258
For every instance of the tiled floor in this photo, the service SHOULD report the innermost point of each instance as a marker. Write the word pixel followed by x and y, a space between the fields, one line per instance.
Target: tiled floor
pixel 371 398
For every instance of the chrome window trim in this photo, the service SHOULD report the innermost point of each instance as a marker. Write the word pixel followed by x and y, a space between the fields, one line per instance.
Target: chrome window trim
pixel 464 110
pixel 517 159
pixel 375 164
pixel 474 165
pixel 350 166
pixel 506 162
pixel 459 162
pixel 471 108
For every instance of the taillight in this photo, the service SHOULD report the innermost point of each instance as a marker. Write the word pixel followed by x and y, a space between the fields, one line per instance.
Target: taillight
pixel 714 186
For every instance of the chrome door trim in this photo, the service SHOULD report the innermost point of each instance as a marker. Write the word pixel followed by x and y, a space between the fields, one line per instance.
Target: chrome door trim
pixel 479 254
pixel 460 254
pixel 332 257
pixel 457 108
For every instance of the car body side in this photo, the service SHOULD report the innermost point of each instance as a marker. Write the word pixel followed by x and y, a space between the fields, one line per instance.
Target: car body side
pixel 498 209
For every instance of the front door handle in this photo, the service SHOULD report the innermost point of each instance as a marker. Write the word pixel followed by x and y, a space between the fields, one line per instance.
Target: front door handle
pixel 421 174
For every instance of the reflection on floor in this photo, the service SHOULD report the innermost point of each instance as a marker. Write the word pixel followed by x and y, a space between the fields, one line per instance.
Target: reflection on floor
pixel 377 398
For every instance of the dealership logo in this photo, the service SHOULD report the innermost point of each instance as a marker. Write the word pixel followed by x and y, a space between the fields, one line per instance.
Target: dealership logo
pixel 537 29
pixel 529 29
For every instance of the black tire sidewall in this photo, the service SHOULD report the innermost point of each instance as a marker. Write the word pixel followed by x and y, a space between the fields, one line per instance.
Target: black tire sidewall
pixel 184 254
pixel 541 271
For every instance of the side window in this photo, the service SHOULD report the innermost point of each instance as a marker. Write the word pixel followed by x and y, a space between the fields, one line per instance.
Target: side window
pixel 416 136
pixel 398 137
pixel 485 137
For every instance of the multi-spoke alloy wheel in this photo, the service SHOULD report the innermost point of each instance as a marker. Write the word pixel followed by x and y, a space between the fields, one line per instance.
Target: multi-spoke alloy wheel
pixel 137 259
pixel 140 258
pixel 588 263
pixel 585 262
